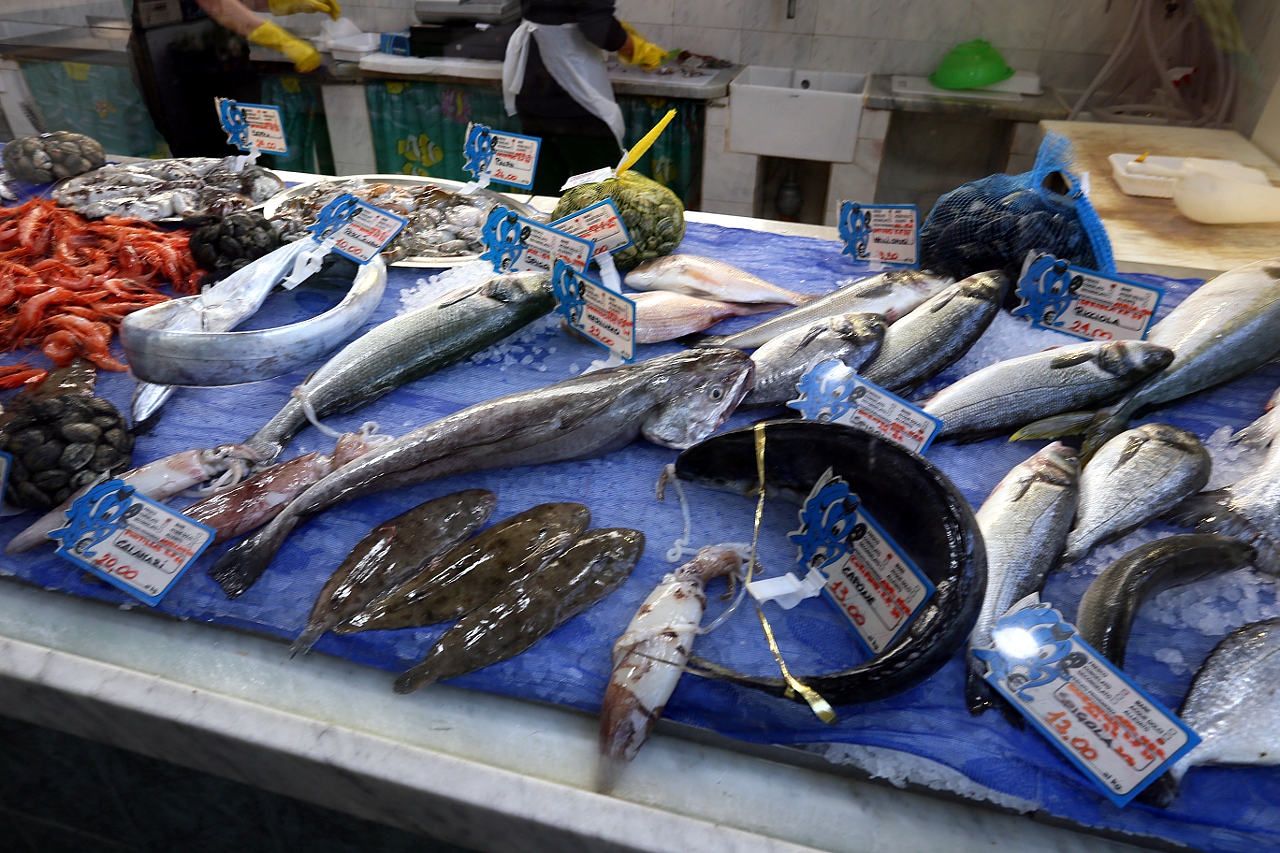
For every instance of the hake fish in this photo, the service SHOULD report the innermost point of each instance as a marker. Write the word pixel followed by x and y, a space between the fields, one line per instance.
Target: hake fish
pixel 1019 390
pixel 528 610
pixel 409 347
pixel 472 572
pixel 1137 476
pixel 664 316
pixel 1108 607
pixel 938 333
pixel 1024 525
pixel 853 339
pixel 891 295
pixel 391 553
pixel 673 400
pixel 707 278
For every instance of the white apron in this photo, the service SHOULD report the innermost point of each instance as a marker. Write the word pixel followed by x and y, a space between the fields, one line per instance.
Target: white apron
pixel 575 63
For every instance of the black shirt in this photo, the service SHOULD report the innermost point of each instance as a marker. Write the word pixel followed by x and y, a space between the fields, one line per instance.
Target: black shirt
pixel 540 94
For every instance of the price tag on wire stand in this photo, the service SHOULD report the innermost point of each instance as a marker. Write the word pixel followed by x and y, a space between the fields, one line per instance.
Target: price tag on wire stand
pixel 130 541
pixel 596 312
pixel 505 158
pixel 834 392
pixel 354 229
pixel 253 127
pixel 1083 302
pixel 1107 726
pixel 888 233
pixel 515 244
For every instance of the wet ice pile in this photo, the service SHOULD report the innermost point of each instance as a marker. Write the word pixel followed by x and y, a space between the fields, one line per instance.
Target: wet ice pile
pixel 1219 604
pixel 1231 462
pixel 1007 337
pixel 428 290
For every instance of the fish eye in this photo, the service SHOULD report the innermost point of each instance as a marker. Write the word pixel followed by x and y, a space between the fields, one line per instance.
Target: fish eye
pixel 717 392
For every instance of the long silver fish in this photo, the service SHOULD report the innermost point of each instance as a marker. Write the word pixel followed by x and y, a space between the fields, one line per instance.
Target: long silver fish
pixel 674 401
pixel 1111 602
pixel 409 347
pixel 707 278
pixel 1019 390
pixel 1024 523
pixel 938 333
pixel 664 316
pixel 1135 477
pixel 891 295
pixel 850 338
pixel 1234 705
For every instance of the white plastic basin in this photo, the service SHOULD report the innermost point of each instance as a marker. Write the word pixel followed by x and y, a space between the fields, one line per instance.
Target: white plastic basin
pixel 807 115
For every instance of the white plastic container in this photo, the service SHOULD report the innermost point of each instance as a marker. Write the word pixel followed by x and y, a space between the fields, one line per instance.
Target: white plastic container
pixel 1157 177
pixel 807 115
pixel 355 48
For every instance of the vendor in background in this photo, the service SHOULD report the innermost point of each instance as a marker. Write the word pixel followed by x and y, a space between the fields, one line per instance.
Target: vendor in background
pixel 241 18
pixel 554 76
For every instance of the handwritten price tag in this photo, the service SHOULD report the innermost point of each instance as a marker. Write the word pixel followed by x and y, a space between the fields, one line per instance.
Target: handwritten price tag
pixel 516 244
pixel 1085 303
pixel 1107 726
pixel 252 126
pixel 832 391
pixel 600 223
pixel 507 158
pixel 130 541
pixel 596 312
pixel 356 230
pixel 888 233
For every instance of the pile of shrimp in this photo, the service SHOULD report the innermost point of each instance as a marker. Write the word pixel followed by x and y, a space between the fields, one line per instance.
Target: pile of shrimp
pixel 66 281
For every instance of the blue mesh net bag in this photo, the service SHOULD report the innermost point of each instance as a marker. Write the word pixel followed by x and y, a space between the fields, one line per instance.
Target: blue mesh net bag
pixel 992 223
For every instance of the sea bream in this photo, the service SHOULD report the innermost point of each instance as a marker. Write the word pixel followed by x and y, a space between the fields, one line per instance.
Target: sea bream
pixel 707 278
pixel 852 339
pixel 673 400
pixel 665 316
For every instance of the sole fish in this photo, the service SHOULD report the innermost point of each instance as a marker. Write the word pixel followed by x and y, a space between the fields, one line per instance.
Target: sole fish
pixel 391 553
pixel 674 401
pixel 1024 525
pixel 938 333
pixel 891 295
pixel 707 278
pixel 1137 476
pixel 525 612
pixel 1108 607
pixel 664 316
pixel 853 339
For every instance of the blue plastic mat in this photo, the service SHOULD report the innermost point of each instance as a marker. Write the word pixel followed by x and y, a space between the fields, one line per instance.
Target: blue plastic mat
pixel 1221 809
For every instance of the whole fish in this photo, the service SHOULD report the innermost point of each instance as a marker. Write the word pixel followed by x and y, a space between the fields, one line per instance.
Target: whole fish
pixel 1111 602
pixel 891 295
pixel 409 347
pixel 664 316
pixel 472 572
pixel 525 612
pixel 673 400
pixel 1135 477
pixel 850 338
pixel 938 333
pixel 1233 705
pixel 706 278
pixel 1019 390
pixel 914 502
pixel 649 657
pixel 1024 523
pixel 391 553
pixel 1262 432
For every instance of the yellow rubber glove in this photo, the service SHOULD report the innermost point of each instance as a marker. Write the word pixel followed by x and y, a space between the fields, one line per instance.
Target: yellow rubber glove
pixel 644 53
pixel 302 7
pixel 302 54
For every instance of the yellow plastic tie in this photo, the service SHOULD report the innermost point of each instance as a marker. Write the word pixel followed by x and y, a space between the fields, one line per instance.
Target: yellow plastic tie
pixel 642 147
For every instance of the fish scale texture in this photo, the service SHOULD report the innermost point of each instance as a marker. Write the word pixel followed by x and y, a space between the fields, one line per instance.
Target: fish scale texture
pixel 1220 810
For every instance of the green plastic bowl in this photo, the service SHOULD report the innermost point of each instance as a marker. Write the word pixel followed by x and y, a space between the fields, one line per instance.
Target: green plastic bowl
pixel 972 64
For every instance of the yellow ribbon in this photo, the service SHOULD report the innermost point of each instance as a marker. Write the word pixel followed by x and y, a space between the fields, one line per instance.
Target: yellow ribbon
pixel 643 146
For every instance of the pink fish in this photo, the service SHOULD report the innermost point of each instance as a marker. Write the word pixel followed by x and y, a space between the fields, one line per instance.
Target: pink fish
pixel 663 316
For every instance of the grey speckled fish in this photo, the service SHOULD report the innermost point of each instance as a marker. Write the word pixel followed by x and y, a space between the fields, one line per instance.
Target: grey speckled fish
pixel 850 338
pixel 1137 476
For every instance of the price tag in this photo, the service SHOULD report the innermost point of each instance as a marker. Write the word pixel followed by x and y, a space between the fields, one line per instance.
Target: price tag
pixel 508 158
pixel 601 223
pixel 516 244
pixel 593 177
pixel 252 127
pixel 1107 726
pixel 832 391
pixel 356 230
pixel 130 541
pixel 596 312
pixel 868 578
pixel 888 233
pixel 1084 303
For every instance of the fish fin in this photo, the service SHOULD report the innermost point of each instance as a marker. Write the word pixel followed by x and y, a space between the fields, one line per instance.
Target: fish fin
pixel 1106 424
pixel 1211 512
pixel 697 339
pixel 1071 359
pixel 814 331
pixel 1258 434
pixel 415 679
pixel 1054 426
pixel 981 697
pixel 804 298
pixel 240 566
pixel 1160 793
pixel 1131 448
pixel 304 641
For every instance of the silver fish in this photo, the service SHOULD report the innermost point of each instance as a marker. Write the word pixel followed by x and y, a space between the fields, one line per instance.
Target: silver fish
pixel 674 401
pixel 891 294
pixel 1024 523
pixel 706 278
pixel 409 347
pixel 938 333
pixel 850 338
pixel 1020 390
pixel 1135 477
pixel 1263 431
pixel 665 316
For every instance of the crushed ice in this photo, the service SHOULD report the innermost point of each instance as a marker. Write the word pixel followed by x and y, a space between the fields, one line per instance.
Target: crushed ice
pixel 1172 658
pixel 1220 604
pixel 1007 337
pixel 1231 462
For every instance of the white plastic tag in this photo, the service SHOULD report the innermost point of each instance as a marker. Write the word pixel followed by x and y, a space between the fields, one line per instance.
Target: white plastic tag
pixel 833 392
pixel 506 158
pixel 595 312
pixel 593 177
pixel 888 233
pixel 1083 302
pixel 788 590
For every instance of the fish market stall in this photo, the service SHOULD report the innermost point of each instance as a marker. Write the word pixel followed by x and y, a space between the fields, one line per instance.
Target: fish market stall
pixel 504 757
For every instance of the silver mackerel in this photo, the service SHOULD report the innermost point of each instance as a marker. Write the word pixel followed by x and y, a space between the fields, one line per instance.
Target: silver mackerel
pixel 853 339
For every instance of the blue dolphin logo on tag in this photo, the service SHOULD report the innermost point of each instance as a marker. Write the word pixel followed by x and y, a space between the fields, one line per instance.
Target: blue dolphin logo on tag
pixel 234 123
pixel 855 230
pixel 828 525
pixel 1047 289
pixel 504 237
pixel 825 395
pixel 568 290
pixel 1047 656
pixel 334 215
pixel 95 515
pixel 478 150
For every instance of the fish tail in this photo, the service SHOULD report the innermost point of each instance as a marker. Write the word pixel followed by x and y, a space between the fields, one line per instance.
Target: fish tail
pixel 1054 426
pixel 415 679
pixel 1106 425
pixel 981 697
pixel 304 641
pixel 624 724
pixel 1160 793
pixel 240 566
pixel 697 339
pixel 608 771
